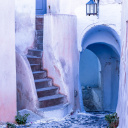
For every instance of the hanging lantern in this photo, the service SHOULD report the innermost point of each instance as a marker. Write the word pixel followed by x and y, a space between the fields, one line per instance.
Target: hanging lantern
pixel 91 8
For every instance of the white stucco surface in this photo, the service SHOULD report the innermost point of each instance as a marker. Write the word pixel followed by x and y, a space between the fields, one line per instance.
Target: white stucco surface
pixel 61 57
pixel 122 108
pixel 109 14
pixel 7 62
pixel 25 24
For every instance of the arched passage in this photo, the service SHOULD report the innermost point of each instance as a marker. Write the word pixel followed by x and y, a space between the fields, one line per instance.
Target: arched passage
pixel 103 42
pixel 90 80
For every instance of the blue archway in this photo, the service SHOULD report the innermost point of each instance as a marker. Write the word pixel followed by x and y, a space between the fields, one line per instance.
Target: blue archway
pixel 104 42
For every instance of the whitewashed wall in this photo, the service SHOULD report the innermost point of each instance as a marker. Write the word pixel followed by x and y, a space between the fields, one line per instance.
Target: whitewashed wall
pixel 109 14
pixel 25 24
pixel 61 56
pixel 122 108
pixel 7 62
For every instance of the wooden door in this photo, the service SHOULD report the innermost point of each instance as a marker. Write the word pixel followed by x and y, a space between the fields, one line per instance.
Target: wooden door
pixel 41 7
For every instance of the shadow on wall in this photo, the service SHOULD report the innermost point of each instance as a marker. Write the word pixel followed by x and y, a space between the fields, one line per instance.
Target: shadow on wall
pixel 99 69
pixel 90 80
pixel 104 96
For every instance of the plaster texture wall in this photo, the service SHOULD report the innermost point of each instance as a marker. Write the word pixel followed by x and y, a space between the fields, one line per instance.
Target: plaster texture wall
pixel 25 24
pixel 61 56
pixel 26 91
pixel 122 108
pixel 109 14
pixel 108 24
pixel 7 62
pixel 89 69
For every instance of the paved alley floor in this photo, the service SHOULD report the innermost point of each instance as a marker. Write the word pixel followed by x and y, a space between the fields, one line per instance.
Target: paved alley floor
pixel 81 120
pixel 78 121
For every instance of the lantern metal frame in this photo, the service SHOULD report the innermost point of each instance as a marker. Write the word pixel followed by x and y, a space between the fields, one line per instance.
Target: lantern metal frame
pixel 92 8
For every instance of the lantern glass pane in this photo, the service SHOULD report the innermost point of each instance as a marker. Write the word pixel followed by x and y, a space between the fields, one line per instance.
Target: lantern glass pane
pixel 95 8
pixel 88 9
pixel 91 8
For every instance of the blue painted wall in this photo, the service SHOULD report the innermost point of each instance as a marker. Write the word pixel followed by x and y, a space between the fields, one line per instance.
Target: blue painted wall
pixel 89 69
pixel 109 74
pixel 41 7
pixel 104 43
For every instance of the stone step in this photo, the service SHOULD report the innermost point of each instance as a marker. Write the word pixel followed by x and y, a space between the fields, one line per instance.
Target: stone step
pixel 42 83
pixel 39 46
pixel 35 52
pixel 39 74
pixel 54 112
pixel 39 26
pixel 52 100
pixel 34 59
pixel 42 92
pixel 39 33
pixel 39 20
pixel 39 39
pixel 35 67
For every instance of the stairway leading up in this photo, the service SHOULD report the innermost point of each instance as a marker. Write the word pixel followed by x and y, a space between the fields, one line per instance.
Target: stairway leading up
pixel 48 95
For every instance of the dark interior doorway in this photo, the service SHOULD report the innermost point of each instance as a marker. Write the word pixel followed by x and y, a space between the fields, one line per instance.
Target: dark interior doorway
pixel 99 77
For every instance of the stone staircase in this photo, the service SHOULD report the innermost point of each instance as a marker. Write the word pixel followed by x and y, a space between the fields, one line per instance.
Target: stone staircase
pixel 48 94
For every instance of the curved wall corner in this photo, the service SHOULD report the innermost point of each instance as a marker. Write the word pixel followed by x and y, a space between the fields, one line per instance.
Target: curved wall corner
pixel 26 91
pixel 61 56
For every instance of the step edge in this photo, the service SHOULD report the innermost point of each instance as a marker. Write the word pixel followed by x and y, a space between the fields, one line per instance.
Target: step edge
pixel 51 97
pixel 38 72
pixel 55 107
pixel 47 88
pixel 41 80
pixel 35 57
pixel 37 50
pixel 34 64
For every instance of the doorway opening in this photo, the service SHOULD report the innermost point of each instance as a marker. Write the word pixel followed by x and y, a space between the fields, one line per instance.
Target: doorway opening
pixel 90 80
pixel 41 7
pixel 99 77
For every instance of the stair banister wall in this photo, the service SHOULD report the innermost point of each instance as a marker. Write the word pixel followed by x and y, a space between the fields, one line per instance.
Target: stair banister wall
pixel 26 91
pixel 61 56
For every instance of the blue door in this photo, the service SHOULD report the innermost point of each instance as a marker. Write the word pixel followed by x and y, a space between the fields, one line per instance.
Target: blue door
pixel 41 7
